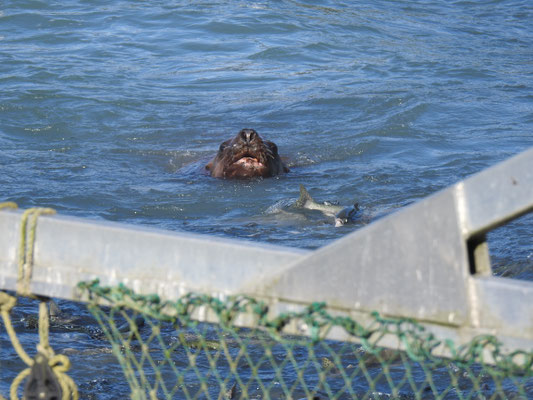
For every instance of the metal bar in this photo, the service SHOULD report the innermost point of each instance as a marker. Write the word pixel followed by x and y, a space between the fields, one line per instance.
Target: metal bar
pixel 497 195
pixel 69 250
pixel 415 263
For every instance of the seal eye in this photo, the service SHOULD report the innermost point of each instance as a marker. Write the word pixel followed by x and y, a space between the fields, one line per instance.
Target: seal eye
pixel 222 147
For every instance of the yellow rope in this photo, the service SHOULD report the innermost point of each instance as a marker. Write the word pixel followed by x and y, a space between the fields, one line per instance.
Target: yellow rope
pixel 44 326
pixel 58 363
pixel 16 383
pixel 8 204
pixel 26 247
pixel 7 302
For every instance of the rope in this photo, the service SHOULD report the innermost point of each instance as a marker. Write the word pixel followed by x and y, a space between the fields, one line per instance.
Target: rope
pixel 8 204
pixel 26 247
pixel 7 302
pixel 59 364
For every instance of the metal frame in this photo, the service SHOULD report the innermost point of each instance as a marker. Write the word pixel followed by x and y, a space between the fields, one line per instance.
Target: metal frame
pixel 428 261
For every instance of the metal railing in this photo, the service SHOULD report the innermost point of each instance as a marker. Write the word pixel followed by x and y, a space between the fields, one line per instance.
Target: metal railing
pixel 428 261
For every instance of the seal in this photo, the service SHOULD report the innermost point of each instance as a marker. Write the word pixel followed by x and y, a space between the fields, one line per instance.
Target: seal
pixel 245 156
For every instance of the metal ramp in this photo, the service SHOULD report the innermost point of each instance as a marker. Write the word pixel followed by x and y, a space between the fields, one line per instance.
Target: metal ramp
pixel 428 261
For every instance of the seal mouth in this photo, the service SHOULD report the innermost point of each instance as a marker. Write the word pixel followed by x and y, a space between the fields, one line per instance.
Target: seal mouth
pixel 248 161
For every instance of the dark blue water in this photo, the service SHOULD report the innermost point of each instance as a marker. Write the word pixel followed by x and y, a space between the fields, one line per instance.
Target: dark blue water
pixel 110 110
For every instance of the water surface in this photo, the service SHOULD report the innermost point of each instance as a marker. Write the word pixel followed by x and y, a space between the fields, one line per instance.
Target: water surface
pixel 109 111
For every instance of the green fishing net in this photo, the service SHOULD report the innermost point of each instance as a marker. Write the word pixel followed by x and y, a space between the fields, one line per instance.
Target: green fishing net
pixel 165 353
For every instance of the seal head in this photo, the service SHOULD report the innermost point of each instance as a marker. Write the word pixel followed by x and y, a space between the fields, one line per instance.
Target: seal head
pixel 247 155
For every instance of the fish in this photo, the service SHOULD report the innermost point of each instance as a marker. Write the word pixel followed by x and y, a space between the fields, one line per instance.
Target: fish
pixel 342 215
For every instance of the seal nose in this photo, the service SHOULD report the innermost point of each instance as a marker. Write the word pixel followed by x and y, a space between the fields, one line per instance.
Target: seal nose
pixel 248 135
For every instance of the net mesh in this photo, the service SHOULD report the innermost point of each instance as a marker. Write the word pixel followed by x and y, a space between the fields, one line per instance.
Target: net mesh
pixel 166 354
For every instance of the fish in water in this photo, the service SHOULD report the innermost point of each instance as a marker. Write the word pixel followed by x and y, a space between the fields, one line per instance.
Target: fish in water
pixel 342 215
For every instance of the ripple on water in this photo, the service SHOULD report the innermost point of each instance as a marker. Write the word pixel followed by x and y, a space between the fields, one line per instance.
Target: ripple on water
pixel 111 112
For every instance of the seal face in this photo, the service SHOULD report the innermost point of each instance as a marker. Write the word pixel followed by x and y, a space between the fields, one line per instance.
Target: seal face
pixel 247 155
